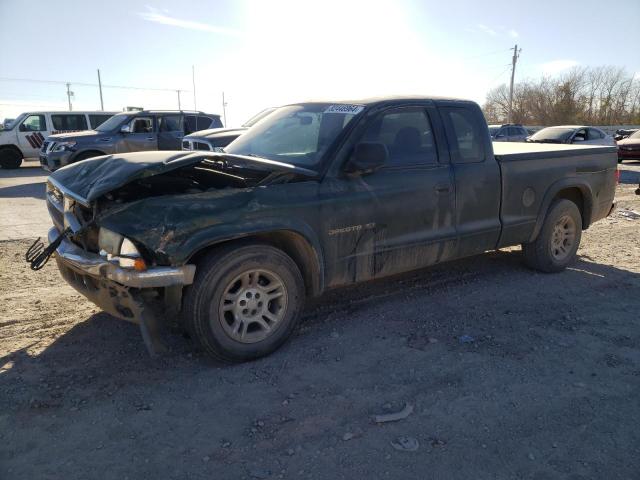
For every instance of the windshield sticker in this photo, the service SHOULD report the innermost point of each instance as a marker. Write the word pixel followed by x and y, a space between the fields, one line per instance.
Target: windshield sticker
pixel 350 109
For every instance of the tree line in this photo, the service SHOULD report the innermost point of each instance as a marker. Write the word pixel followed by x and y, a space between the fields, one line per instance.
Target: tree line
pixel 583 95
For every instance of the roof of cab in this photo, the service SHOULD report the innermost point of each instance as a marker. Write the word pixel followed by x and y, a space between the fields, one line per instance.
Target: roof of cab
pixel 388 99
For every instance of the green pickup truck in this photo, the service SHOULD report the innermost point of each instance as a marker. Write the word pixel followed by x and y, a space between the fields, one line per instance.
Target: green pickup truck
pixel 316 196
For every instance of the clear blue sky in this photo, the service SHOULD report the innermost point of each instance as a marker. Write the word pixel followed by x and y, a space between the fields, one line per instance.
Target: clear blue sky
pixel 263 53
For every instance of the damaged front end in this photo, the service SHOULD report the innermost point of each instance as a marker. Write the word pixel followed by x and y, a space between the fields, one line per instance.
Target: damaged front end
pixel 116 220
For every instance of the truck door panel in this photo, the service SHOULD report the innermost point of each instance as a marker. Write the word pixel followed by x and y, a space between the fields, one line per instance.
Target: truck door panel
pixel 400 217
pixel 170 132
pixel 477 180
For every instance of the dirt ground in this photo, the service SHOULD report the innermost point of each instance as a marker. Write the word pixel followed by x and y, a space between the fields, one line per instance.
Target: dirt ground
pixel 511 374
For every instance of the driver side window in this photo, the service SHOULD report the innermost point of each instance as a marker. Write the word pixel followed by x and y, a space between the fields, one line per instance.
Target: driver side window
pixel 141 125
pixel 33 123
pixel 407 134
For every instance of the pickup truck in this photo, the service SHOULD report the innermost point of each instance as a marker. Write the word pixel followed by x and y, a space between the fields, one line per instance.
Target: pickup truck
pixel 316 196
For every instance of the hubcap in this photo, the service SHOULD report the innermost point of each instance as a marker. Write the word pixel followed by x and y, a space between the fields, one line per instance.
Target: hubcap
pixel 563 238
pixel 253 305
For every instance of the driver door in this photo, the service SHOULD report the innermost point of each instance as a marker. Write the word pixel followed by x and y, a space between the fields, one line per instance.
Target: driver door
pixel 31 134
pixel 142 136
pixel 398 218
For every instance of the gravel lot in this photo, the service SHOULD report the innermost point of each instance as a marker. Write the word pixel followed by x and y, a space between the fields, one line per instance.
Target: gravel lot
pixel 511 374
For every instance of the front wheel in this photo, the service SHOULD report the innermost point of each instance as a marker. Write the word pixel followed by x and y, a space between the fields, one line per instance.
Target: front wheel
pixel 10 158
pixel 244 303
pixel 556 246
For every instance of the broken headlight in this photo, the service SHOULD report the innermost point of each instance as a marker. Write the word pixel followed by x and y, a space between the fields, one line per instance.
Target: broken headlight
pixel 120 249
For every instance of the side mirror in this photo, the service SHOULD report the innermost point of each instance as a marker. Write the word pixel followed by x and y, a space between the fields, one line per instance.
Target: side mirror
pixel 367 158
pixel 125 128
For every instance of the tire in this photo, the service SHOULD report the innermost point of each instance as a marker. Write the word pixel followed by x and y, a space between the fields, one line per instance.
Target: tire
pixel 10 158
pixel 216 317
pixel 555 247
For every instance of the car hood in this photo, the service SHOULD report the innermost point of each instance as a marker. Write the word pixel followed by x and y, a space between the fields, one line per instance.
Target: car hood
pixel 629 142
pixel 90 179
pixel 59 137
pixel 215 133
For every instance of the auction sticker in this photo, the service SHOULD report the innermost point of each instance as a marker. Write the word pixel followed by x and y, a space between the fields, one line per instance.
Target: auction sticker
pixel 344 108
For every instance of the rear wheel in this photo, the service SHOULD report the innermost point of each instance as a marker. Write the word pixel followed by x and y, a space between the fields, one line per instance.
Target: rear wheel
pixel 10 158
pixel 558 241
pixel 244 303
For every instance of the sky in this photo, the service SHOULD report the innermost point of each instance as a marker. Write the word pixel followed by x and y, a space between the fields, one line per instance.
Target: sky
pixel 269 53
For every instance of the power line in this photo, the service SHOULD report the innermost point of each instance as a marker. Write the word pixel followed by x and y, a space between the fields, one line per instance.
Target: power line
pixel 85 84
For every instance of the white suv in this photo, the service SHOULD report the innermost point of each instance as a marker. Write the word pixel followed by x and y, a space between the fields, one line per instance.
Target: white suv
pixel 24 137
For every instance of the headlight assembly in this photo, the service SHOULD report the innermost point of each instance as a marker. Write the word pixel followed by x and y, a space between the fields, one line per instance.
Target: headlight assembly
pixel 119 249
pixel 62 146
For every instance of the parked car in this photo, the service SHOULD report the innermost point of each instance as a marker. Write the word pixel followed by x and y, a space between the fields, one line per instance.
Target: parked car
pixel 629 148
pixel 216 139
pixel 24 137
pixel 572 134
pixel 623 133
pixel 509 132
pixel 135 131
pixel 316 196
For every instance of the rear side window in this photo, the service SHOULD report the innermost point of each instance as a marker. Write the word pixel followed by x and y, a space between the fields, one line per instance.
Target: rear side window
pixel 407 134
pixel 170 123
pixel 465 135
pixel 595 134
pixel 69 122
pixel 97 120
pixel 196 123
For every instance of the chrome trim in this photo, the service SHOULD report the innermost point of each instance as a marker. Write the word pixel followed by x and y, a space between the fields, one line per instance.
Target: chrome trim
pixel 69 193
pixel 97 266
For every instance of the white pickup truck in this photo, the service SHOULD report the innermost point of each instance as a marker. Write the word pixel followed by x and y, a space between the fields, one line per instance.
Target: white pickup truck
pixel 24 137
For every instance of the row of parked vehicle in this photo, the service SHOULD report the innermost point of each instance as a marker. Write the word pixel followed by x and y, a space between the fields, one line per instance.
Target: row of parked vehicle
pixel 61 138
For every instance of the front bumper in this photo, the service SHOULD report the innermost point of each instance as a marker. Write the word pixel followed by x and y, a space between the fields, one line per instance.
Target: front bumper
pixel 54 160
pixel 116 290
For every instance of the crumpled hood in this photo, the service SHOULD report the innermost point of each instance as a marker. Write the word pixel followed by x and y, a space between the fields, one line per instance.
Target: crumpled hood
pixel 90 179
pixel 59 137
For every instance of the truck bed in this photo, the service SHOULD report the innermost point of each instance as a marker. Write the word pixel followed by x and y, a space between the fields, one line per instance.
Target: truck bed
pixel 532 174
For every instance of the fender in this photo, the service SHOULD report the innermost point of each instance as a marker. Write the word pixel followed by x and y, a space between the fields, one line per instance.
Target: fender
pixel 557 187
pixel 224 232
pixel 80 152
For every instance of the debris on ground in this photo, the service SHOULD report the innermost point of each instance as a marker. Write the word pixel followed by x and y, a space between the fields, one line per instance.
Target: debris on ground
pixel 395 416
pixel 405 444
pixel 629 214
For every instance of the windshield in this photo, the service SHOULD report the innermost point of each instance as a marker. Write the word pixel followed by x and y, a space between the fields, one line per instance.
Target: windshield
pixel 113 123
pixel 493 130
pixel 553 133
pixel 257 117
pixel 296 134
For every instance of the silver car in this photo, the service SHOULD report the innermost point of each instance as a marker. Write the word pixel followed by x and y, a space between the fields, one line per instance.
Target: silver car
pixel 576 134
pixel 510 132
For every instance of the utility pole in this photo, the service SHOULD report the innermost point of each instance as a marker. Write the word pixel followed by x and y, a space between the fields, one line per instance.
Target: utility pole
pixel 178 92
pixel 100 89
pixel 224 110
pixel 193 78
pixel 69 95
pixel 514 60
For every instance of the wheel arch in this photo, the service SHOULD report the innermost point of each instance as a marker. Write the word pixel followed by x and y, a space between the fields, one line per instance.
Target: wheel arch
pixel 306 255
pixel 11 146
pixel 83 152
pixel 575 190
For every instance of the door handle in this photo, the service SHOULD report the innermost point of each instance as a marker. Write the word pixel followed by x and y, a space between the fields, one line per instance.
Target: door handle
pixel 150 138
pixel 442 189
